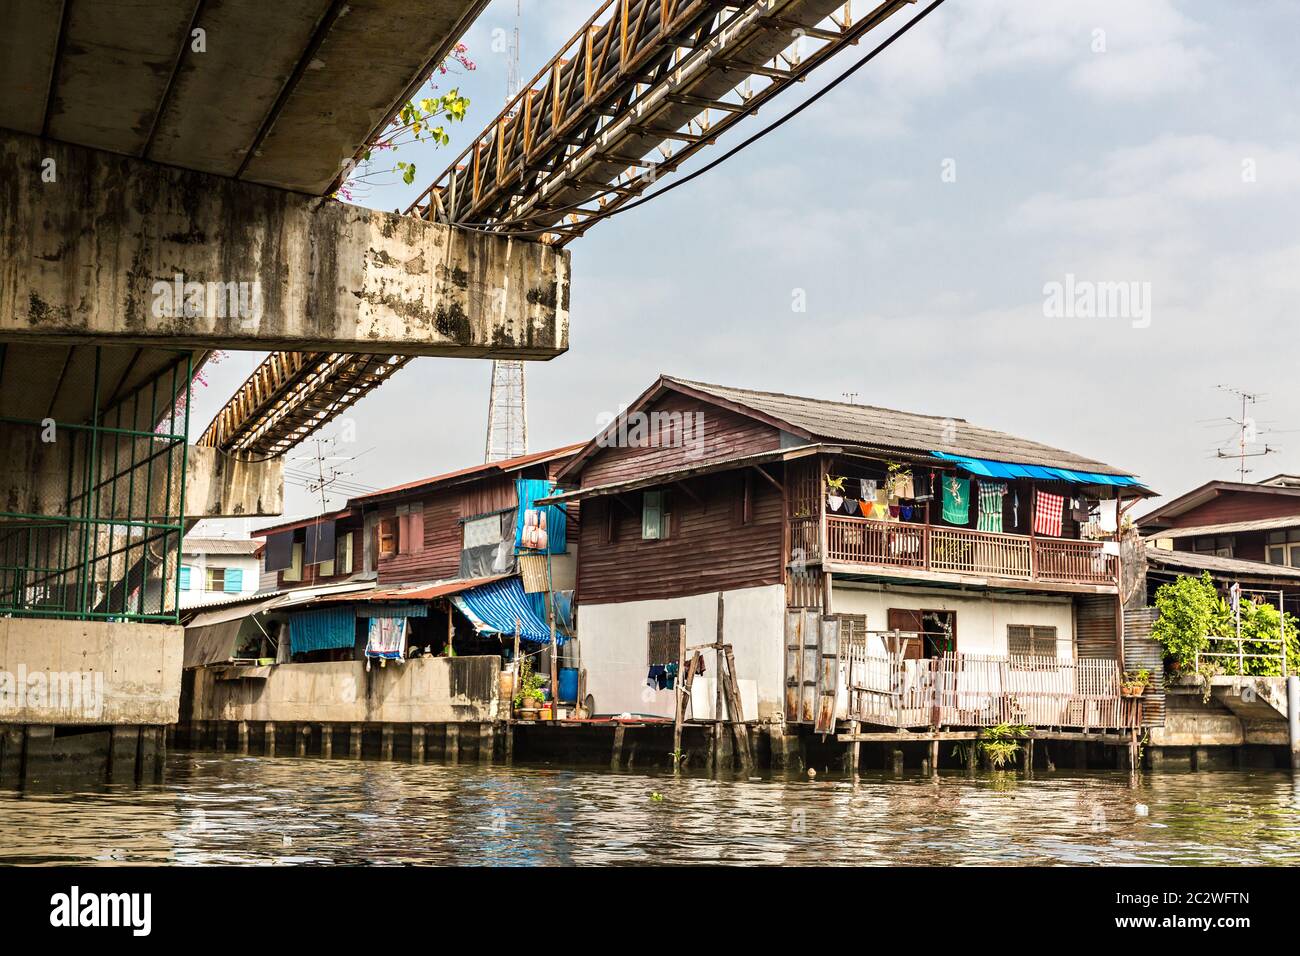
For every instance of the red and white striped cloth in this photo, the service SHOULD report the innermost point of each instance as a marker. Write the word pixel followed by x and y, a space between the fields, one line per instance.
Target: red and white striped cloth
pixel 1048 509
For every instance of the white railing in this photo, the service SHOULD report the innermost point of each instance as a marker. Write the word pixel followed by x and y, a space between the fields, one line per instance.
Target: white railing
pixel 973 690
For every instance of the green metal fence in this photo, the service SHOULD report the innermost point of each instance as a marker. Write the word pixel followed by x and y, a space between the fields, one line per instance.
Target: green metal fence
pixel 95 531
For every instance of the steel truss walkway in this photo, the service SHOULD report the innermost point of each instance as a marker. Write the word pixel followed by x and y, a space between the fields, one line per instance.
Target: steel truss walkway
pixel 642 87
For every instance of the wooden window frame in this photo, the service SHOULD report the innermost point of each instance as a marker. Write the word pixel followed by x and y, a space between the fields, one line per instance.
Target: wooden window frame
pixel 665 521
pixel 1037 634
pixel 208 578
pixel 388 537
pixel 343 558
pixel 664 634
pixel 293 573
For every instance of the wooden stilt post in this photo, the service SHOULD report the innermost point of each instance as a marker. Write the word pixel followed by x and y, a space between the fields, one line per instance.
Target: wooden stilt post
pixel 972 756
pixel 740 729
pixel 896 759
pixel 616 758
pixel 327 740
pixel 241 732
pixel 300 739
pixel 679 713
pixel 934 755
pixel 354 741
pixel 717 701
pixel 855 749
pixel 268 738
pixel 487 742
pixel 386 742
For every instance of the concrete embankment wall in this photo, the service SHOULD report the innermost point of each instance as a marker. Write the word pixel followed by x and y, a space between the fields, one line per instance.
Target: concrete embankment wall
pixel 423 690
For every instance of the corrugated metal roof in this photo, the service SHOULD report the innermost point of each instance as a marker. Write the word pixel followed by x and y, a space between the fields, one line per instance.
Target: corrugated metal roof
pixel 509 464
pixel 871 425
pixel 1227 527
pixel 419 592
pixel 221 545
pixel 1193 561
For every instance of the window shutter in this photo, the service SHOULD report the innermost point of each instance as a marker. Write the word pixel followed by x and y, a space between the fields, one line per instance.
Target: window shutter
pixel 185 577
pixel 234 580
pixel 415 527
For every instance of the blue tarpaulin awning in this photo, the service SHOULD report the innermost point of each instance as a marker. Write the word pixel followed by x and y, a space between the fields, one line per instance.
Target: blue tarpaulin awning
pixel 322 629
pixel 493 609
pixel 1003 469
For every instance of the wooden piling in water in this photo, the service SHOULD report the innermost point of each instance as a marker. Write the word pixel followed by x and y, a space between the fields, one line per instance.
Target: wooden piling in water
pixel 241 735
pixel 268 738
pixel 616 757
pixel 386 742
pixel 486 742
pixel 417 743
pixel 354 741
pixel 451 747
pixel 327 740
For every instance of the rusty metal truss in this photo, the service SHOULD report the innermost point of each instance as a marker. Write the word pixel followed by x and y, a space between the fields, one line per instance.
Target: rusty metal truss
pixel 291 395
pixel 642 87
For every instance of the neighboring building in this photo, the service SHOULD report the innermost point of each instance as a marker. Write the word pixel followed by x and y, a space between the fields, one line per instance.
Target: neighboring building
pixel 1240 532
pixel 701 490
pixel 439 553
pixel 215 569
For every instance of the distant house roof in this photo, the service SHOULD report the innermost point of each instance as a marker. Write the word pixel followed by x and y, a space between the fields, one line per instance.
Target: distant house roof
pixel 1225 567
pixel 1228 527
pixel 464 474
pixel 1208 491
pixel 193 545
pixel 819 420
pixel 499 467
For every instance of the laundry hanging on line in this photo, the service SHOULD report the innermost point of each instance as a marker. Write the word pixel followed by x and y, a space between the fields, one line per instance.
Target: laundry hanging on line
pixel 1049 510
pixel 992 495
pixel 956 500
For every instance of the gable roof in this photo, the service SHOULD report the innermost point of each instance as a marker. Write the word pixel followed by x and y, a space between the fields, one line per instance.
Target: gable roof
pixel 1212 489
pixel 503 467
pixel 1231 567
pixel 815 420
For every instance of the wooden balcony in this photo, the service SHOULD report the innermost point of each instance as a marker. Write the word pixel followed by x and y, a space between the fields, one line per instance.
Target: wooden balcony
pixel 969 690
pixel 900 546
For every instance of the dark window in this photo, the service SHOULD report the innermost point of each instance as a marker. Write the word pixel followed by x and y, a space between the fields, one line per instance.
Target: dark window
pixel 664 641
pixel 1031 639
pixel 656 521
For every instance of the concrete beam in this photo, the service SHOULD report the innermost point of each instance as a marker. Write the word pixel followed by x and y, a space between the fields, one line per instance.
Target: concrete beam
pixel 34 481
pixel 95 255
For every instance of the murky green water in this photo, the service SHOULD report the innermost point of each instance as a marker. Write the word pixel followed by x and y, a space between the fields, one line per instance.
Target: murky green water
pixel 253 810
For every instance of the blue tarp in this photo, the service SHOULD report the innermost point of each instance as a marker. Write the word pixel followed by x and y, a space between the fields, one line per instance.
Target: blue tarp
pixel 1003 469
pixel 529 490
pixel 493 608
pixel 323 629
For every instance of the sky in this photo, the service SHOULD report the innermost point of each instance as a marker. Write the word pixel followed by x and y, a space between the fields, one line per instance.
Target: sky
pixel 938 217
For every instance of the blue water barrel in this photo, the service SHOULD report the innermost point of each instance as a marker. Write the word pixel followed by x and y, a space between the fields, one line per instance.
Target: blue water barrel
pixel 568 683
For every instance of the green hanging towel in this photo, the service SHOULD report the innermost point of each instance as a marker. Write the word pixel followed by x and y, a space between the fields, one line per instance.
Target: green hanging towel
pixel 991 495
pixel 956 500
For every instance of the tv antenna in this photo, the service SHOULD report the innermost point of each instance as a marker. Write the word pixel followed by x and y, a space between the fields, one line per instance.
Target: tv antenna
pixel 1248 432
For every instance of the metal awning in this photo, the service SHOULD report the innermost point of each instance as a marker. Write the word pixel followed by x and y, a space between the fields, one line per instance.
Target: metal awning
pixel 210 637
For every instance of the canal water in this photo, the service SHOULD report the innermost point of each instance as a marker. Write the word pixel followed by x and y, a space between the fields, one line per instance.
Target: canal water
pixel 216 808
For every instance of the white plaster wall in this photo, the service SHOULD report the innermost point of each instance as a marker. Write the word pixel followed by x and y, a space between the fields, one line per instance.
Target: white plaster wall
pixel 982 619
pixel 615 646
pixel 198 594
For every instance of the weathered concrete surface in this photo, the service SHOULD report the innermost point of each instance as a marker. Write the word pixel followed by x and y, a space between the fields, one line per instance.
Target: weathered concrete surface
pixel 134 672
pixel 423 690
pixel 34 480
pixel 128 76
pixel 218 485
pixel 102 252
pixel 1190 721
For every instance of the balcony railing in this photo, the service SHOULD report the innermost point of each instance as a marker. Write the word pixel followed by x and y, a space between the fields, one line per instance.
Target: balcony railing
pixel 969 690
pixel 923 547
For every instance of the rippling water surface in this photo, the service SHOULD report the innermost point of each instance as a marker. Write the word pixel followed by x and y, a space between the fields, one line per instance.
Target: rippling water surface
pixel 254 810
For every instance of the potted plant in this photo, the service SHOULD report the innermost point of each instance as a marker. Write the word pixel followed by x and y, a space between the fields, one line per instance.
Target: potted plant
pixel 834 492
pixel 528 692
pixel 1134 684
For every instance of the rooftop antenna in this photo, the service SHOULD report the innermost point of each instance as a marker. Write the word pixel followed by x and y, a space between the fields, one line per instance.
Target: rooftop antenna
pixel 850 397
pixel 507 426
pixel 1247 432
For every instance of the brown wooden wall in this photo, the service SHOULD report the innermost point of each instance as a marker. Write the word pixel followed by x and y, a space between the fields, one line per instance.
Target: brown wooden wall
pixel 709 547
pixel 726 434
pixel 1239 506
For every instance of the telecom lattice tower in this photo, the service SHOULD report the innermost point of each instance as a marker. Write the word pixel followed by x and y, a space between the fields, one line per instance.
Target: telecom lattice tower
pixel 507 427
